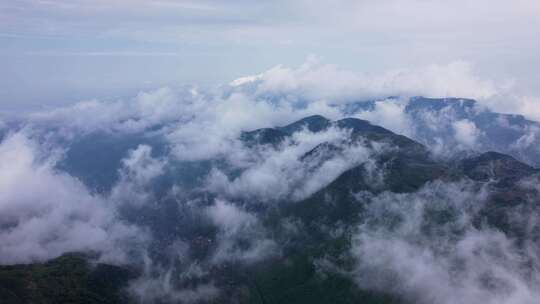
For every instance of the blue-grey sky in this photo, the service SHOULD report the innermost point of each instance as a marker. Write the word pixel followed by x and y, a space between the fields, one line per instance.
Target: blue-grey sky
pixel 57 52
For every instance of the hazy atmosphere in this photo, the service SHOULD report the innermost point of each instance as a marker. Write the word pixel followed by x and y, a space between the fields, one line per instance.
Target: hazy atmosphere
pixel 59 52
pixel 270 152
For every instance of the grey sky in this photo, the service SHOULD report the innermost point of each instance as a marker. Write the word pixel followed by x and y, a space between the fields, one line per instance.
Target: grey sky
pixel 57 52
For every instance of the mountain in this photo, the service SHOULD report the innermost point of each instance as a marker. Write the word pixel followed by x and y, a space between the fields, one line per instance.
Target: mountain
pixel 436 122
pixel 396 184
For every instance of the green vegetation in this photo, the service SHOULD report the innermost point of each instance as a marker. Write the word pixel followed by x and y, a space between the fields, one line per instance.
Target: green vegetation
pixel 70 278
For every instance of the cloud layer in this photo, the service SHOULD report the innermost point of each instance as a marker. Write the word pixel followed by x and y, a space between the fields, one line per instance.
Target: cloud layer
pixel 446 259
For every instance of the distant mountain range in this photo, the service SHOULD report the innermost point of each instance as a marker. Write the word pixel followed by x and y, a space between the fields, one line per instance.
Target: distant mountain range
pixel 434 122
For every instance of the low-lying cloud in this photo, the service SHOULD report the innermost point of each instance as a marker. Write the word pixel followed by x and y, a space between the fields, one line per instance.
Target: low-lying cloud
pixel 427 247
pixel 44 213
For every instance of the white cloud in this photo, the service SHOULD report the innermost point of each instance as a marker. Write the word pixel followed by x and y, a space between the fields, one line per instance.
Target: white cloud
pixel 390 114
pixel 511 103
pixel 143 111
pixel 138 171
pixel 314 80
pixel 141 167
pixel 236 224
pixel 466 133
pixel 45 213
pixel 277 174
pixel 428 259
pixel 157 284
pixel 530 136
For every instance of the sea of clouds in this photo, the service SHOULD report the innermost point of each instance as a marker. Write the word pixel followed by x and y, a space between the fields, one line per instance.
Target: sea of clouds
pixel 46 210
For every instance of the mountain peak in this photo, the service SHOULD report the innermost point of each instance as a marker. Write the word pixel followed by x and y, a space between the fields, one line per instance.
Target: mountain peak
pixel 494 165
pixel 314 123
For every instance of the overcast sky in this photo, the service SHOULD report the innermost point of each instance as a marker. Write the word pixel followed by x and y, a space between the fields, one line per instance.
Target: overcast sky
pixel 58 52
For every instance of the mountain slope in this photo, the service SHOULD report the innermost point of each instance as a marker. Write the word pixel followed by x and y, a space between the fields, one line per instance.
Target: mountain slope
pixel 67 279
